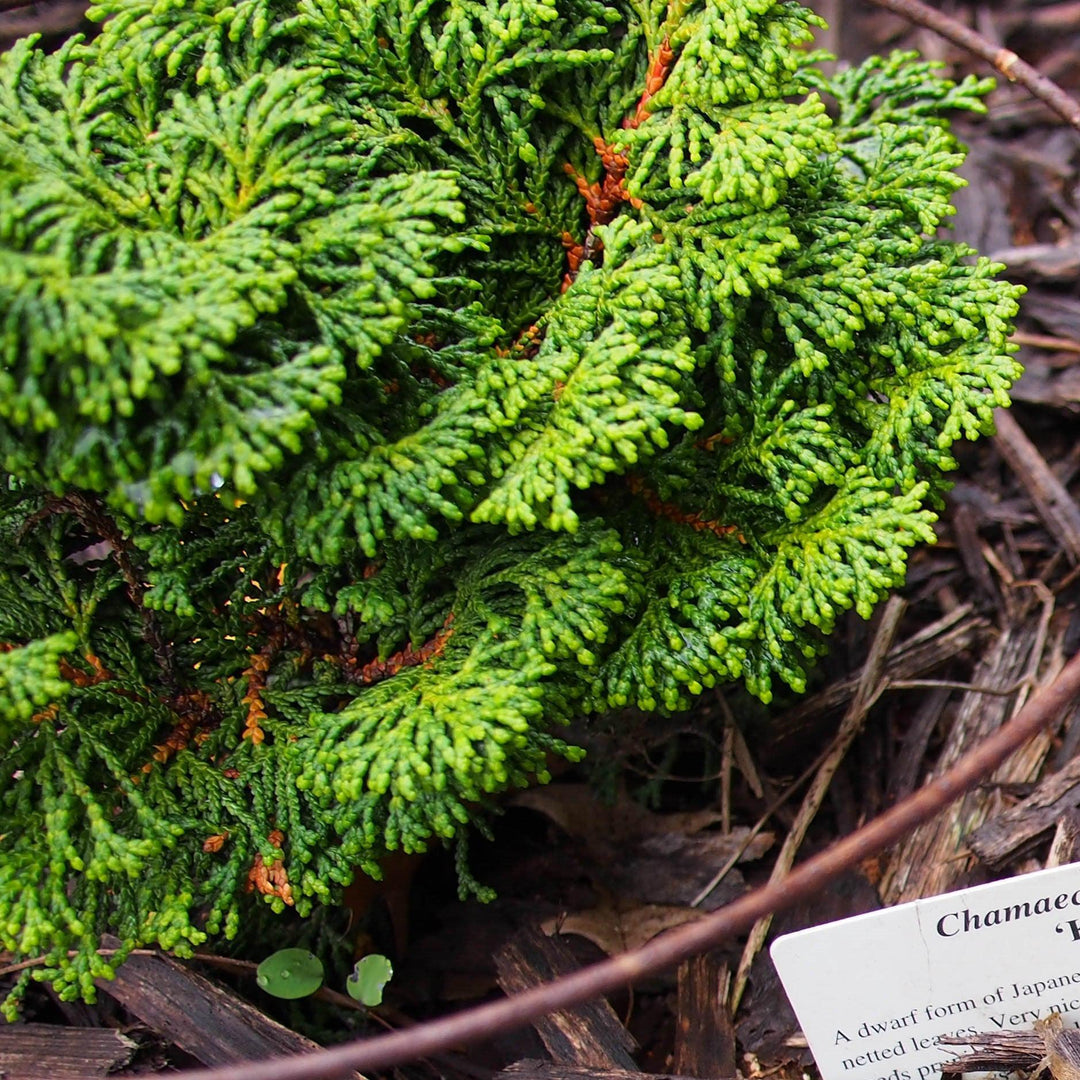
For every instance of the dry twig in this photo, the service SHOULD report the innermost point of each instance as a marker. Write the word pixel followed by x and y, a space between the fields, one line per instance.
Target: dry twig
pixel 1052 499
pixel 1004 60
pixel 871 684
pixel 1049 342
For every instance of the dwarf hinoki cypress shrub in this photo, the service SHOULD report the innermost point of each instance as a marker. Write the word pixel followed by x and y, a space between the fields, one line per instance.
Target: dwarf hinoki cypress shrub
pixel 385 382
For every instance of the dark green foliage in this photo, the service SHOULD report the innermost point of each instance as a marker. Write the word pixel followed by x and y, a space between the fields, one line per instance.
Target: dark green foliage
pixel 325 504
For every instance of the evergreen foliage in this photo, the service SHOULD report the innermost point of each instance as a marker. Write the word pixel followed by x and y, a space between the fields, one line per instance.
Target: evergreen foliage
pixel 385 382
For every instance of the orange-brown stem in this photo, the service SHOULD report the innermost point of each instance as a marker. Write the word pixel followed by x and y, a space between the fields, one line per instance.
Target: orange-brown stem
pixel 603 198
pixel 671 512
pixel 196 712
pixel 255 674
pixel 377 670
pixel 654 82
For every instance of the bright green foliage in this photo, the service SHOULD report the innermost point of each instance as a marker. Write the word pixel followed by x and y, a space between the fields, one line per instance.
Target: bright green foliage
pixel 30 679
pixel 330 494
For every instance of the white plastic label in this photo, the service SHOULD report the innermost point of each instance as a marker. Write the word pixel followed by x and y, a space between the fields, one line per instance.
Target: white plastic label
pixel 874 992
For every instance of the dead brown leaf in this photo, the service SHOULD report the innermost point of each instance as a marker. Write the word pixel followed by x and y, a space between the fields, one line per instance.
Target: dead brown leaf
pixel 645 857
pixel 616 929
pixel 580 812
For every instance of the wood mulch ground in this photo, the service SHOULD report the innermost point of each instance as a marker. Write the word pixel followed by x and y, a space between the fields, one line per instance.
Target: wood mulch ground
pixel 704 806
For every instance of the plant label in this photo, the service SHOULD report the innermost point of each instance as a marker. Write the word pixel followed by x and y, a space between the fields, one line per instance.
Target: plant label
pixel 874 992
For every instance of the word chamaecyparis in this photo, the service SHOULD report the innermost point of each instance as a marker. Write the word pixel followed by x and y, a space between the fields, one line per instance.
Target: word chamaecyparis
pixel 966 920
pixel 874 993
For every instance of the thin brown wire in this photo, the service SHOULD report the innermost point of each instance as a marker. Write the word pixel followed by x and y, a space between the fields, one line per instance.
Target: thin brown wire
pixel 485 1021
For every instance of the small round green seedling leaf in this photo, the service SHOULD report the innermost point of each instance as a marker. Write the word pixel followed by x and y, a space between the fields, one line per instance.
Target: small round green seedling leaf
pixel 368 978
pixel 290 973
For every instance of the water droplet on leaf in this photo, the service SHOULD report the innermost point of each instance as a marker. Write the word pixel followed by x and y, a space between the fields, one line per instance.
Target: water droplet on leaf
pixel 290 973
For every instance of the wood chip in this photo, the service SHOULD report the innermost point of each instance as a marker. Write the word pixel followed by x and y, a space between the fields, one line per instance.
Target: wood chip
pixel 1017 830
pixel 1065 847
pixel 554 1070
pixel 57 18
pixel 51 1052
pixel 588 1035
pixel 211 1024
pixel 995 1051
pixel 1041 262
pixel 926 862
pixel 907 765
pixel 704 1032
